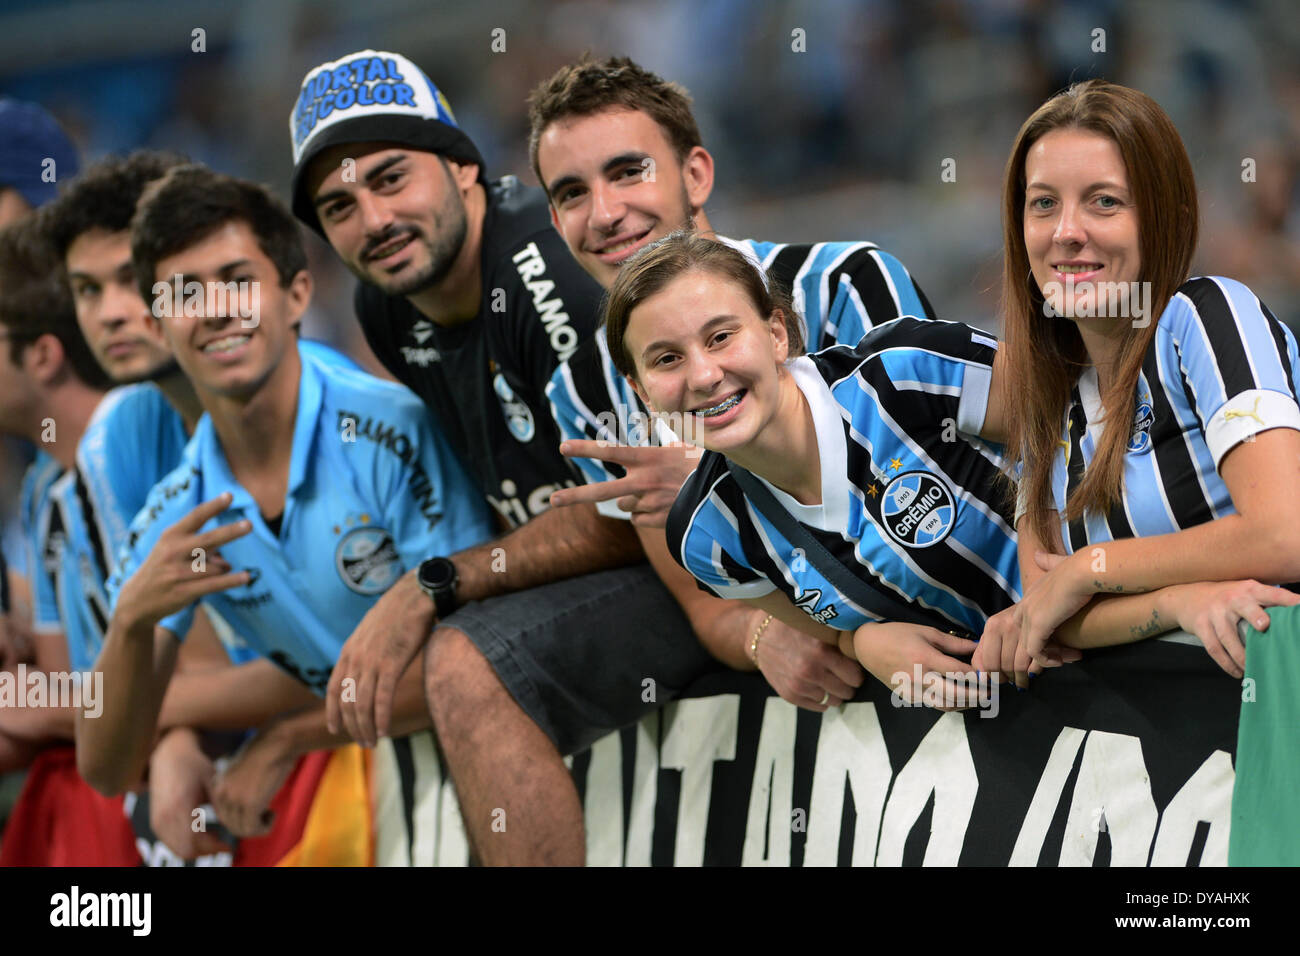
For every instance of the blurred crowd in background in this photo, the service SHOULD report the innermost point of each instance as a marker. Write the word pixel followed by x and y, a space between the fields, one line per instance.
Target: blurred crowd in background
pixel 846 138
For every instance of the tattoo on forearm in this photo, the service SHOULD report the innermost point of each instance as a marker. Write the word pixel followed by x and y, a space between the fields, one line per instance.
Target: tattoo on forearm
pixel 1099 585
pixel 1152 626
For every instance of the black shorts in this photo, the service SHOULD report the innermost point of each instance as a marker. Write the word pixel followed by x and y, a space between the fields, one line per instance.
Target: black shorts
pixel 588 655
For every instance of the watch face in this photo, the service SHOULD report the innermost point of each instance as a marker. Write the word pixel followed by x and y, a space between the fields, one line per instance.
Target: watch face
pixel 437 574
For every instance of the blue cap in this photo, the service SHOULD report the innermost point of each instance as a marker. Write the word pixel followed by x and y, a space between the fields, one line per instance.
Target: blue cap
pixel 35 152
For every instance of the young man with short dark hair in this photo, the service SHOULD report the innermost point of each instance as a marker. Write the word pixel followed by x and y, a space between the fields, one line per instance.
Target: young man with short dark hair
pixel 134 439
pixel 34 153
pixel 49 388
pixel 320 485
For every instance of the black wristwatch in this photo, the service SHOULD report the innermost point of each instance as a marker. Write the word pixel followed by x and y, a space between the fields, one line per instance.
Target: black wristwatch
pixel 437 578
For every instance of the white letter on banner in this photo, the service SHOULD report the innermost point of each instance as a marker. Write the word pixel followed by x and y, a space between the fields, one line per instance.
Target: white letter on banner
pixel 942 764
pixel 391 837
pixel 697 732
pixel 1113 778
pixel 645 792
pixel 453 844
pixel 603 802
pixel 428 787
pixel 1033 831
pixel 771 795
pixel 1207 795
pixel 851 745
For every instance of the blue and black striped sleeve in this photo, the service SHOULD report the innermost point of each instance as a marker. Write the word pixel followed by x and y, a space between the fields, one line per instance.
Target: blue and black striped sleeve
pixel 944 368
pixel 846 289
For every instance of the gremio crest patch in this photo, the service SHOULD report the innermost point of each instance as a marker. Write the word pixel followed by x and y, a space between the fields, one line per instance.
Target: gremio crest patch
pixel 1143 417
pixel 519 417
pixel 367 560
pixel 917 509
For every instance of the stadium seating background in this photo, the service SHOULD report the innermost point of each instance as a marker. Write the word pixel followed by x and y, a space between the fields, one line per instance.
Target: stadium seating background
pixel 846 140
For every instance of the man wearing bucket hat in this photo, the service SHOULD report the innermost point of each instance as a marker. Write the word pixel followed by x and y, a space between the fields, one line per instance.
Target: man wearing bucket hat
pixel 470 298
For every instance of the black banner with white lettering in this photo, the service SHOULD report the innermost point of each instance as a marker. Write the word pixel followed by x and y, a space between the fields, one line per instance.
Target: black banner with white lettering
pixel 1125 758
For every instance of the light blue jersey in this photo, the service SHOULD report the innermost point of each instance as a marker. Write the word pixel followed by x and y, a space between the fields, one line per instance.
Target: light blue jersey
pixel 372 491
pixel 841 290
pixel 134 439
pixel 43 539
pixel 76 575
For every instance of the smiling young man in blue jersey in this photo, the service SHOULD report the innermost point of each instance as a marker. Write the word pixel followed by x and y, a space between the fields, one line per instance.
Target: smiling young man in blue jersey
pixel 620 155
pixel 135 437
pixel 60 402
pixel 306 491
pixel 133 440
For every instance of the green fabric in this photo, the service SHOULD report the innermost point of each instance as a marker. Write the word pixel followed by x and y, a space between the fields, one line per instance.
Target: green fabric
pixel 1266 796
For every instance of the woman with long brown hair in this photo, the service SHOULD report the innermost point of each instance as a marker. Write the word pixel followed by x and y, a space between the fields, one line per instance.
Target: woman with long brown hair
pixel 1155 416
